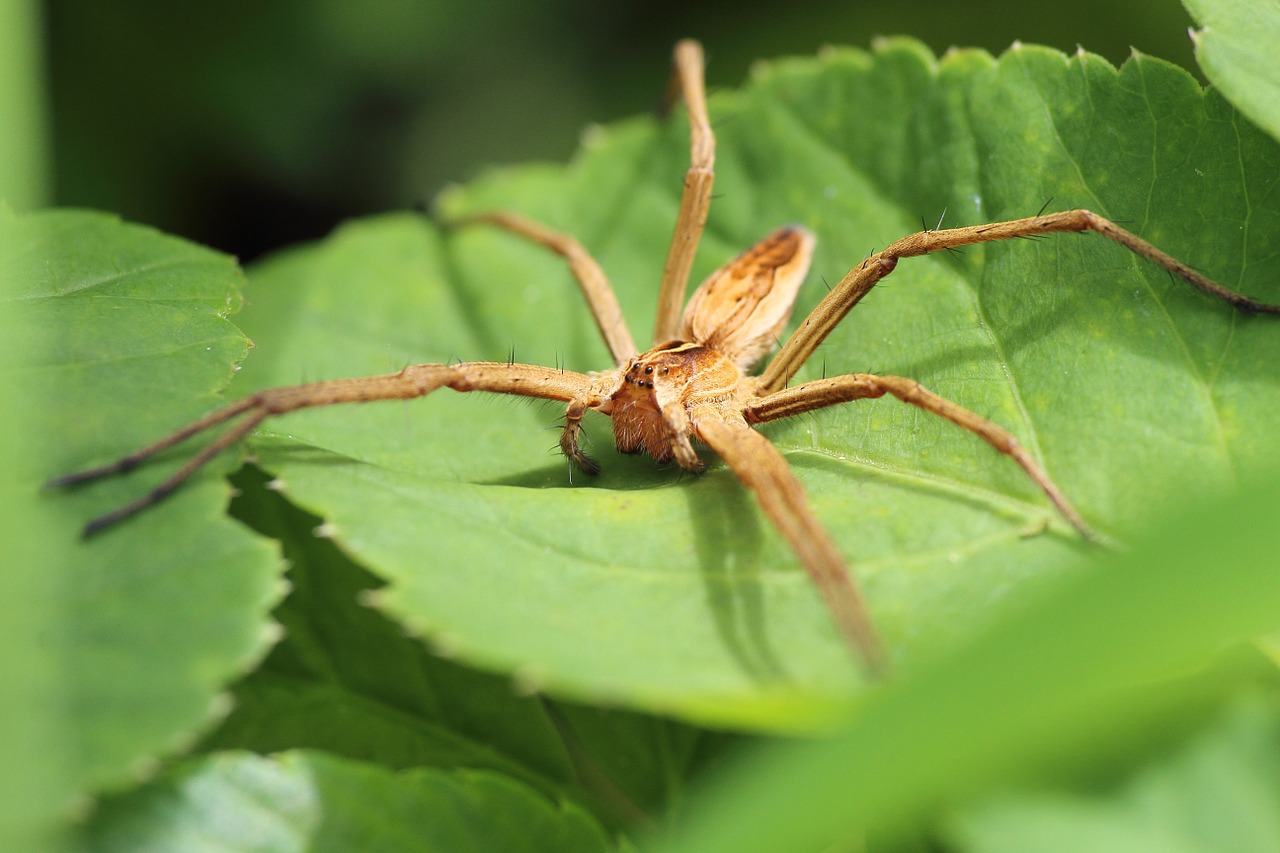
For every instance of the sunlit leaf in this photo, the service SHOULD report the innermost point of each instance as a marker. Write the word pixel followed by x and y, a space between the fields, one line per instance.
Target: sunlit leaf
pixel 1236 48
pixel 310 801
pixel 1074 688
pixel 669 592
pixel 141 627
pixel 1218 793
pixel 347 680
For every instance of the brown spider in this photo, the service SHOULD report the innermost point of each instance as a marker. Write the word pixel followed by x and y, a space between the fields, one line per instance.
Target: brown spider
pixel 695 382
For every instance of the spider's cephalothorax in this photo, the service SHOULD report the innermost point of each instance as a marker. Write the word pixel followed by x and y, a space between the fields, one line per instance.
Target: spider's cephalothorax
pixel 731 320
pixel 695 383
pixel 659 394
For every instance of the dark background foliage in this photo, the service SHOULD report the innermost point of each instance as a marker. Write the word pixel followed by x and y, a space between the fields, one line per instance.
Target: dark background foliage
pixel 247 125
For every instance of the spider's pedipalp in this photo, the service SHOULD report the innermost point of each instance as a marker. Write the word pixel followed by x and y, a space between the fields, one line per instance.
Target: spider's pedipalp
pixel 569 444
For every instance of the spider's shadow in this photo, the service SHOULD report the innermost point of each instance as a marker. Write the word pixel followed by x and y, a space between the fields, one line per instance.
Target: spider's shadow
pixel 727 537
pixel 727 540
pixel 619 472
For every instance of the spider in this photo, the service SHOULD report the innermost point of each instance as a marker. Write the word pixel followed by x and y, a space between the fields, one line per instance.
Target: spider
pixel 696 382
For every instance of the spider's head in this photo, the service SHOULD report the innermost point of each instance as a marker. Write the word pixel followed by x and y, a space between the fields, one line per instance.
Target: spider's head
pixel 678 371
pixel 674 375
pixel 666 366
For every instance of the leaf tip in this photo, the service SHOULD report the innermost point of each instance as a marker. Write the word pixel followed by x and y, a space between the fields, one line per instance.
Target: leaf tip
pixel 528 679
pixel 273 632
pixel 144 767
pixel 221 705
pixel 444 645
pixel 759 69
pixel 593 136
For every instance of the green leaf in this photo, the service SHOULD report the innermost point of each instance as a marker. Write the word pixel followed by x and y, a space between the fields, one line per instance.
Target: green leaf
pixel 1067 690
pixel 37 774
pixel 24 158
pixel 1236 47
pixel 347 680
pixel 124 332
pixel 1218 793
pixel 671 593
pixel 310 801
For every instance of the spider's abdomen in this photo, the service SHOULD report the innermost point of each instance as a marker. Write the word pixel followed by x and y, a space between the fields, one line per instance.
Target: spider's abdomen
pixel 672 377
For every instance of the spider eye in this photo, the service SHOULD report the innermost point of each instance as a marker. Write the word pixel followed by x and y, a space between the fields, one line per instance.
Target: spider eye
pixel 648 369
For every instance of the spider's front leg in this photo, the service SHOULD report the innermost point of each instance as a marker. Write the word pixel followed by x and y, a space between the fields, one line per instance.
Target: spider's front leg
pixel 695 199
pixel 860 386
pixel 762 469
pixel 664 398
pixel 415 381
pixel 859 281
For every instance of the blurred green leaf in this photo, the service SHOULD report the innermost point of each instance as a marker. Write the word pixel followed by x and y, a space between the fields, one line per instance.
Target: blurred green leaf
pixel 267 125
pixel 1221 793
pixel 642 587
pixel 24 164
pixel 1059 692
pixel 310 801
pixel 124 332
pixel 671 593
pixel 1236 48
pixel 38 782
pixel 347 680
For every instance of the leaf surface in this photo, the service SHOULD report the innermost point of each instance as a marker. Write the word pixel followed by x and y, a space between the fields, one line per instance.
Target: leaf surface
pixel 1111 668
pixel 346 679
pixel 312 801
pixel 1236 48
pixel 124 332
pixel 1218 793
pixel 671 593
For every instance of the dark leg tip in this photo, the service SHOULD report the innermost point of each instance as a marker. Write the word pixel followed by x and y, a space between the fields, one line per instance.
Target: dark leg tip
pixel 61 482
pixel 96 526
pixel 586 464
pixel 75 478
